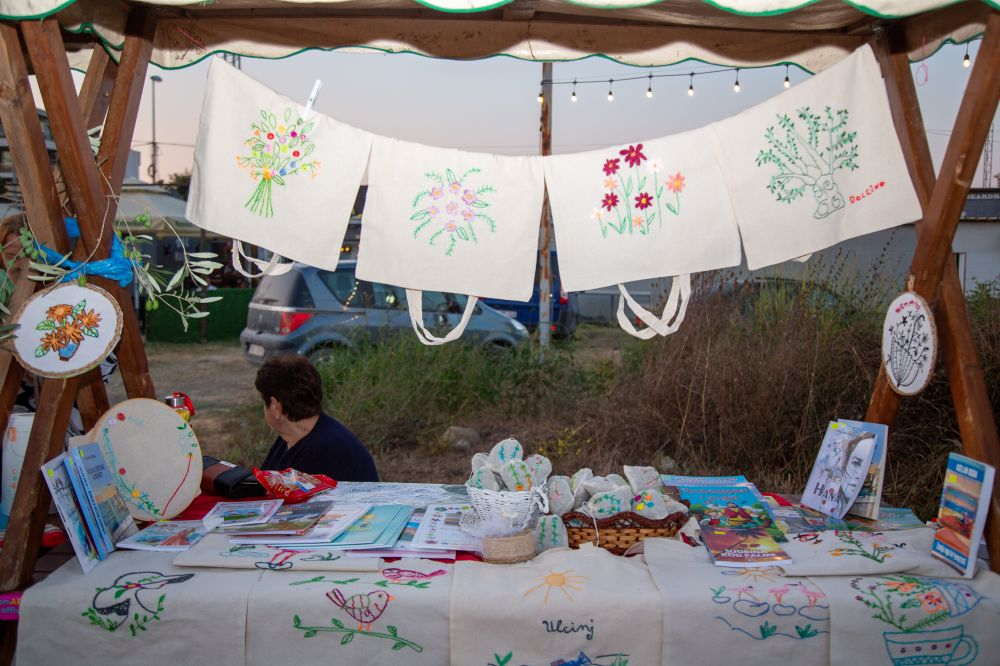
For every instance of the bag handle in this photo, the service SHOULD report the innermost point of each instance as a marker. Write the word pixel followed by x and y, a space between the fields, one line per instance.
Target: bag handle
pixel 271 267
pixel 680 290
pixel 414 301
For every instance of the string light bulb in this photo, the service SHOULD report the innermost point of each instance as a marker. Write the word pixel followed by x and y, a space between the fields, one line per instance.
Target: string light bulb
pixel 736 85
pixel 611 92
pixel 573 94
pixel 541 97
pixel 649 90
pixel 965 61
pixel 788 83
pixel 691 87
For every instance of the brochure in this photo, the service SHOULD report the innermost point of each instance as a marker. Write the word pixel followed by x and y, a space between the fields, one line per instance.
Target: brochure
pixel 290 519
pixel 968 486
pixel 867 503
pixel 720 501
pixel 167 535
pixel 742 547
pixel 379 527
pixel 439 529
pixel 840 470
pixel 231 514
pixel 327 528
pixel 61 489
pixel 404 545
pixel 114 522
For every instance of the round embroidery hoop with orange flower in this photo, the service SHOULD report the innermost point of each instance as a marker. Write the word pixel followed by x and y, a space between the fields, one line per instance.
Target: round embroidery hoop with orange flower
pixel 67 330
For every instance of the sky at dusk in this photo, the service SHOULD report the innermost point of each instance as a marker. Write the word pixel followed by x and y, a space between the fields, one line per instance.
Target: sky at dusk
pixel 490 105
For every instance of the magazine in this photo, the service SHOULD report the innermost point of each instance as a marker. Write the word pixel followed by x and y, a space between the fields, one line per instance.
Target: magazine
pixel 968 486
pixel 167 535
pixel 720 501
pixel 113 519
pixel 404 545
pixel 840 470
pixel 439 529
pixel 290 519
pixel 330 525
pixel 870 496
pixel 231 514
pixel 742 547
pixel 60 487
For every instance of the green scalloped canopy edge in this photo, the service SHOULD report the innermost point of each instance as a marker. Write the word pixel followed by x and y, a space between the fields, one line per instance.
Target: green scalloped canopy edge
pixel 857 4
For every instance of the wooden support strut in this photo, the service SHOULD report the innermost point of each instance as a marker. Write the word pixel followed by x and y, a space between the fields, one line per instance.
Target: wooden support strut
pixel 969 394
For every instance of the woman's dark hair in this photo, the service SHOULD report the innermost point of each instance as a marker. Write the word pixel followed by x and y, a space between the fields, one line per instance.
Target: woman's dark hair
pixel 293 381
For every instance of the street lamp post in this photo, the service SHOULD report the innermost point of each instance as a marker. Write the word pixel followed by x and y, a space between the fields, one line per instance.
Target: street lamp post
pixel 152 167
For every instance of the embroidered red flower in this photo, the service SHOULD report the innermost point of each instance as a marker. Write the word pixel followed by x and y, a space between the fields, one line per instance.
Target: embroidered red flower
pixel 675 183
pixel 633 155
pixel 270 135
pixel 295 153
pixel 611 166
pixel 610 200
pixel 643 201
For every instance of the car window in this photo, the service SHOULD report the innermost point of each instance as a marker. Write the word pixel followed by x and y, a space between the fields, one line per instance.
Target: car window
pixel 351 293
pixel 287 290
pixel 388 297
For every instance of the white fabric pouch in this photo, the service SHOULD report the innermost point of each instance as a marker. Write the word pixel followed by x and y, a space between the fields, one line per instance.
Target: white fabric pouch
pixel 641 211
pixel 439 219
pixel 817 164
pixel 269 172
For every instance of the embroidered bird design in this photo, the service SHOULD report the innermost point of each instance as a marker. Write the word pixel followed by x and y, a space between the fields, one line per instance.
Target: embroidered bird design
pixel 393 573
pixel 365 608
pixel 116 601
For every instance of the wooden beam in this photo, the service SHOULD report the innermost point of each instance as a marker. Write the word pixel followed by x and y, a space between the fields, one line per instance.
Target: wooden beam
pixel 92 200
pixel 95 94
pixel 545 231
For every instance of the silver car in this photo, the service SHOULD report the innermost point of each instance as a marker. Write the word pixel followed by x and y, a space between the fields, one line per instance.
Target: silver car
pixel 314 312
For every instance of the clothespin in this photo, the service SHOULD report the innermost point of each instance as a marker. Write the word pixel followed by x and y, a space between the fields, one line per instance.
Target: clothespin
pixel 312 97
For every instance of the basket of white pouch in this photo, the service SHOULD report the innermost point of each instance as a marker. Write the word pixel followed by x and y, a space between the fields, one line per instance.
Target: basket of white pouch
pixel 519 509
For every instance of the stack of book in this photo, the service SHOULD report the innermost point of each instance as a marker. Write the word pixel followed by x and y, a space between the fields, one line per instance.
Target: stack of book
pixel 86 497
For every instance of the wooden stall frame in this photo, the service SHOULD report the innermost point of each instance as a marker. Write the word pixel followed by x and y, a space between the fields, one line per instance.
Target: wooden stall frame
pixel 111 94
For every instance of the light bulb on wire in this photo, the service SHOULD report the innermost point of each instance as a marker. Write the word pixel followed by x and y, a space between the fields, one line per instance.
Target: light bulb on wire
pixel 736 85
pixel 541 97
pixel 691 87
pixel 611 92
pixel 788 83
pixel 965 61
pixel 649 90
pixel 573 94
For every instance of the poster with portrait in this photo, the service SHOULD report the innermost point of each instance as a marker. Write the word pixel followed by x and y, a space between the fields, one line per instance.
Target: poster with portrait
pixel 67 330
pixel 840 469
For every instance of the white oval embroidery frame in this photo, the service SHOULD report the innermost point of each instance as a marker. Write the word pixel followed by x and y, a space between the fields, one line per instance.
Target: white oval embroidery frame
pixel 67 330
pixel 909 344
pixel 153 455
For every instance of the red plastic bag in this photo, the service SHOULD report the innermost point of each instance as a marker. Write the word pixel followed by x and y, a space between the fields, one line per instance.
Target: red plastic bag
pixel 292 485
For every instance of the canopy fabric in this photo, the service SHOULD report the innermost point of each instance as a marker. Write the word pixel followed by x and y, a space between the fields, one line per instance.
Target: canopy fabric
pixel 813 34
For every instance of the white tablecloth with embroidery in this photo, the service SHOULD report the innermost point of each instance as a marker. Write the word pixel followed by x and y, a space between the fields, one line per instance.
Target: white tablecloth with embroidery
pixel 140 607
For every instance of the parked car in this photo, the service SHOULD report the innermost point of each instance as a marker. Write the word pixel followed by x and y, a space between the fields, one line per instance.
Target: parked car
pixel 565 308
pixel 314 312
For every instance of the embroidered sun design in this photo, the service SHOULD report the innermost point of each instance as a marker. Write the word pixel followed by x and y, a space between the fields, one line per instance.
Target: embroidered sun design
pixel 756 574
pixel 559 580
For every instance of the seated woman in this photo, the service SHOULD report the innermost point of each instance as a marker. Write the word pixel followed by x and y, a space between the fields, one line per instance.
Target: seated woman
pixel 308 440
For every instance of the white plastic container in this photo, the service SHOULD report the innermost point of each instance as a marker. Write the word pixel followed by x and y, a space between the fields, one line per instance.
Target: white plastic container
pixel 15 443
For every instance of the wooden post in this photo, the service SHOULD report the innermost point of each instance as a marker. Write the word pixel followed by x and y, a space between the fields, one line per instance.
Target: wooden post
pixel 93 202
pixel 545 232
pixel 969 395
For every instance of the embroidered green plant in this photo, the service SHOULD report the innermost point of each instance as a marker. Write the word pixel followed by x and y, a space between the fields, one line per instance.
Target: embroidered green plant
pixel 809 162
pixel 908 603
pixel 278 150
pixel 336 626
pixel 877 552
pixel 453 206
pixel 324 579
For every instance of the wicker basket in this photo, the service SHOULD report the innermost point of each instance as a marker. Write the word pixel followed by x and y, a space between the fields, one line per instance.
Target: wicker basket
pixel 619 532
pixel 490 505
pixel 518 547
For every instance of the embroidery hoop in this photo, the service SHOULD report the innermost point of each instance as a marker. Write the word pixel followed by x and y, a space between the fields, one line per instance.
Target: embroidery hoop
pixel 913 388
pixel 25 355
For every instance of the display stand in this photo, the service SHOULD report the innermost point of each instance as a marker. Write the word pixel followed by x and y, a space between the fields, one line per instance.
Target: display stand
pixel 111 94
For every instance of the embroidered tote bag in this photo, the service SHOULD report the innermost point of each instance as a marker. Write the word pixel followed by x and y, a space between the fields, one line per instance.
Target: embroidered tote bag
pixel 817 164
pixel 439 219
pixel 268 172
pixel 642 211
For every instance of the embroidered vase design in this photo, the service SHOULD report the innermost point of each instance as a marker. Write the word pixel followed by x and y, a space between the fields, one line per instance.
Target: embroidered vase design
pixel 278 150
pixel 810 161
pixel 66 326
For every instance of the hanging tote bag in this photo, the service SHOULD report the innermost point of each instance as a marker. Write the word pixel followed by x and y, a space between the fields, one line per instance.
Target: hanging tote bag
pixel 817 164
pixel 270 173
pixel 439 219
pixel 642 211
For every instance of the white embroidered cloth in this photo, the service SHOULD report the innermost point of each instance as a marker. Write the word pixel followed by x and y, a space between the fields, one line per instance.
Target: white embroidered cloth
pixel 215 551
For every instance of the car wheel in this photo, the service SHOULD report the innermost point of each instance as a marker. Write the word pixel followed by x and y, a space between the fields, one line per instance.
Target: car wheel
pixel 321 355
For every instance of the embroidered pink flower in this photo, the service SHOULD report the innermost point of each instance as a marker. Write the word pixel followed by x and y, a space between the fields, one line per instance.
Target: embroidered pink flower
pixel 633 155
pixel 434 210
pixel 469 196
pixel 610 200
pixel 675 183
pixel 455 187
pixel 452 208
pixel 610 183
pixel 436 192
pixel 932 602
pixel 467 214
pixel 643 201
pixel 637 221
pixel 294 134
pixel 611 166
pixel 451 227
